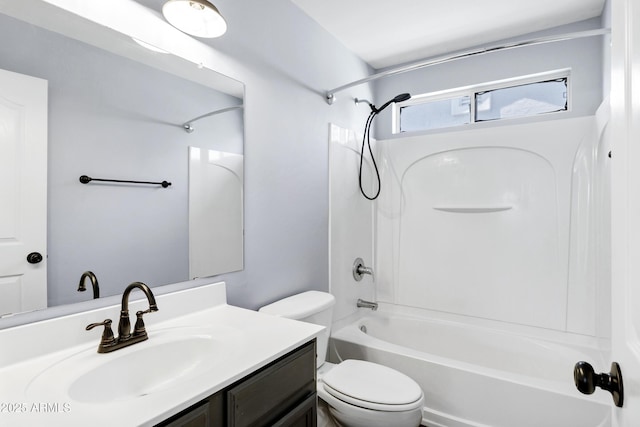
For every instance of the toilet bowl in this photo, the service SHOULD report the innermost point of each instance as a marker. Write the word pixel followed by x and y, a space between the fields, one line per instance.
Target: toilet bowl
pixel 365 394
pixel 357 393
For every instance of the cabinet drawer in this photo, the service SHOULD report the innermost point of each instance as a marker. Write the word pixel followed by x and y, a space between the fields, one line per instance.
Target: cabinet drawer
pixel 275 390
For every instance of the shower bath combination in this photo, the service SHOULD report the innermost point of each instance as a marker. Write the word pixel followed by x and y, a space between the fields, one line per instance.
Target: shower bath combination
pixel 366 139
pixel 447 237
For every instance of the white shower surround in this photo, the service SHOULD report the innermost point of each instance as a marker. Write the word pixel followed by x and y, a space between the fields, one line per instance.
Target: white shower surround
pixel 555 289
pixel 497 223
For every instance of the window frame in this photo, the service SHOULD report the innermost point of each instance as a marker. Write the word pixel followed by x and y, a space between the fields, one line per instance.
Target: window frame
pixel 472 90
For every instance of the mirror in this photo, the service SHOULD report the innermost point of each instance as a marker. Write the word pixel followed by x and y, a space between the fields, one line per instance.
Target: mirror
pixel 113 117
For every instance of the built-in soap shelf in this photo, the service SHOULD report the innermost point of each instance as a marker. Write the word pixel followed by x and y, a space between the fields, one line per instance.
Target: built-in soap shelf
pixel 472 209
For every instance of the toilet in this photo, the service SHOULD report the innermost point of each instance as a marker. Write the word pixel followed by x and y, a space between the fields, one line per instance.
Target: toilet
pixel 357 393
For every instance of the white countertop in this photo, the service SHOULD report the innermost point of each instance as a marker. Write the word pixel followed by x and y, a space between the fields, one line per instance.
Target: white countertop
pixel 248 340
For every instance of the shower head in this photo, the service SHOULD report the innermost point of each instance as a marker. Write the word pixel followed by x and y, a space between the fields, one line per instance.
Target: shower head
pixel 399 98
pixel 366 139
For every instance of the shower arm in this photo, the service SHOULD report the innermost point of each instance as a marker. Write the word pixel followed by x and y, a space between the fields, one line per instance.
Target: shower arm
pixel 369 103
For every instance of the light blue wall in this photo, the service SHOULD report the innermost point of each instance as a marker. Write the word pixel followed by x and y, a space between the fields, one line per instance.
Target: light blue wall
pixel 583 56
pixel 287 62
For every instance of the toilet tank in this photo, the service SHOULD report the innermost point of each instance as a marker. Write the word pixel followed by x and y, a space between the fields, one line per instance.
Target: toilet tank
pixel 312 307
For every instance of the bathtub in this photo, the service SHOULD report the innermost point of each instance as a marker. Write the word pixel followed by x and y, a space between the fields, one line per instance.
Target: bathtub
pixel 478 376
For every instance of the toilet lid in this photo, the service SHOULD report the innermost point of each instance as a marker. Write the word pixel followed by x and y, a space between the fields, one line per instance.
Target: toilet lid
pixel 372 386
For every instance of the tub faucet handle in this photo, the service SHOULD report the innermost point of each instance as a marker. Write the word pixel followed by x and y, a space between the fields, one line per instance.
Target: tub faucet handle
pixel 359 269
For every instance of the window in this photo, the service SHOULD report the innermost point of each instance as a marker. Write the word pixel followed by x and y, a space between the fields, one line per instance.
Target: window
pixel 520 97
pixel 436 114
pixel 522 101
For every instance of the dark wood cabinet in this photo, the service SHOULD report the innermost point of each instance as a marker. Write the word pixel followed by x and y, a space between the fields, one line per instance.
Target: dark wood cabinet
pixel 303 415
pixel 281 394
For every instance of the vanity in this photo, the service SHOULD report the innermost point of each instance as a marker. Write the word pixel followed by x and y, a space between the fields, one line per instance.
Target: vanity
pixel 281 394
pixel 205 363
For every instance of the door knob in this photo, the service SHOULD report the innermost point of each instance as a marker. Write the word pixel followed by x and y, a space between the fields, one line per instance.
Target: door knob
pixel 587 380
pixel 34 257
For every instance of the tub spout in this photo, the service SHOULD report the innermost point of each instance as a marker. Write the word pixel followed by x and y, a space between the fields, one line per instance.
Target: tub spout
pixel 367 304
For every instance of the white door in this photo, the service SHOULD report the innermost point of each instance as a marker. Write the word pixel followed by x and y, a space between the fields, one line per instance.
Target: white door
pixel 625 122
pixel 23 192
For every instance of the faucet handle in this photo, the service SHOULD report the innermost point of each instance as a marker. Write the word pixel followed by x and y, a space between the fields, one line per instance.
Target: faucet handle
pixel 107 335
pixel 359 270
pixel 138 329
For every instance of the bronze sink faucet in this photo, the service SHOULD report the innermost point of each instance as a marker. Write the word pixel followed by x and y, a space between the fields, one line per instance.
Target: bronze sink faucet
pixel 94 283
pixel 108 342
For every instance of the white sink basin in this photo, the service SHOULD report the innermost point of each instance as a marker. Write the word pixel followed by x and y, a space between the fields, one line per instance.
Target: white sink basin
pixel 166 359
pixel 149 369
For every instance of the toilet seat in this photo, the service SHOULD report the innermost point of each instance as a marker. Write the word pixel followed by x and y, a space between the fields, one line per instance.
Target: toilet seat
pixel 372 386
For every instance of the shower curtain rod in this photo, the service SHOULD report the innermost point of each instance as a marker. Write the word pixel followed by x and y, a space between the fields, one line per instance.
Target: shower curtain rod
pixel 331 95
pixel 187 125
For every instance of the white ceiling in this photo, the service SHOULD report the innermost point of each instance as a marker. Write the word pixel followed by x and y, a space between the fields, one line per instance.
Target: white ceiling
pixel 385 33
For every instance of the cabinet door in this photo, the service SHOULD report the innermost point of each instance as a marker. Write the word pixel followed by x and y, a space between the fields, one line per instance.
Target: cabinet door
pixel 197 417
pixel 274 391
pixel 304 415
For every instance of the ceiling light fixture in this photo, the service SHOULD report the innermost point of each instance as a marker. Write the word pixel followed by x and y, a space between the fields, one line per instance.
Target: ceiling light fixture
pixel 198 18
